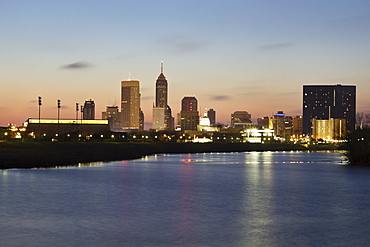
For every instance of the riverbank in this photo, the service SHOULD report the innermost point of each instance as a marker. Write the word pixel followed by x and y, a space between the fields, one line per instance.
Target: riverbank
pixel 358 147
pixel 42 154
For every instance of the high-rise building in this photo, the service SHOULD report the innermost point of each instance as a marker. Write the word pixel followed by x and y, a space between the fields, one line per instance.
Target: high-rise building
pixel 161 108
pixel 282 125
pixel 161 90
pixel 211 114
pixel 130 104
pixel 189 103
pixel 112 114
pixel 324 102
pixel 189 115
pixel 240 119
pixel 297 130
pixel 89 110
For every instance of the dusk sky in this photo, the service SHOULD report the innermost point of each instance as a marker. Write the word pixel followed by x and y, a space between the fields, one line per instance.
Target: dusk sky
pixel 231 55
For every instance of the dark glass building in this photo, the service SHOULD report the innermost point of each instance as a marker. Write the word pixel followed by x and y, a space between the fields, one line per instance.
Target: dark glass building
pixel 211 114
pixel 324 102
pixel 189 113
pixel 189 103
pixel 89 110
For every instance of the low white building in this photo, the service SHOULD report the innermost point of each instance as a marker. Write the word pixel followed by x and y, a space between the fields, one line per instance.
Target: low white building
pixel 257 135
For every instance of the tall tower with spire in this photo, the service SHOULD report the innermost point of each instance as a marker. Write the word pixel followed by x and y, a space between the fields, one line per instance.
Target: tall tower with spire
pixel 162 114
pixel 161 90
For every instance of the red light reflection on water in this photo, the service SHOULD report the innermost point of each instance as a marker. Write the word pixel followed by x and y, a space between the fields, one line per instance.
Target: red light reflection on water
pixel 186 208
pixel 188 160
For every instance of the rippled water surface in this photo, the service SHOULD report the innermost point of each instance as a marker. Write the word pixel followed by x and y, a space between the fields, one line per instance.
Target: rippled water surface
pixel 219 199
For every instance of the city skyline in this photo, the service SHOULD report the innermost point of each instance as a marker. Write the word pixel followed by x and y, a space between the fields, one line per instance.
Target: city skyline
pixel 232 56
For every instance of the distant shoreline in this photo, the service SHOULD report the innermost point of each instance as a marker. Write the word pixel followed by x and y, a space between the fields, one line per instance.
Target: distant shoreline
pixel 18 155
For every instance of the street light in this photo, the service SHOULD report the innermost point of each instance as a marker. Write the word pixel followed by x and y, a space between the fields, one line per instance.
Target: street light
pixel 77 112
pixel 39 104
pixel 58 106
pixel 82 111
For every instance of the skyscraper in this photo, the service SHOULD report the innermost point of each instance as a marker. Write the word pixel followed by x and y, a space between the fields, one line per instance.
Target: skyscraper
pixel 189 113
pixel 89 110
pixel 211 114
pixel 161 90
pixel 324 102
pixel 130 104
pixel 162 114
pixel 189 103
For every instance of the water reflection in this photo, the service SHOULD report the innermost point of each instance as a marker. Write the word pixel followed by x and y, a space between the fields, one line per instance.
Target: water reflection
pixel 185 205
pixel 257 200
pixel 224 199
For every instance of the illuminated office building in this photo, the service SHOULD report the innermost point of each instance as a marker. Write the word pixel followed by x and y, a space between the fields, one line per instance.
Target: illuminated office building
pixel 324 102
pixel 329 130
pixel 130 105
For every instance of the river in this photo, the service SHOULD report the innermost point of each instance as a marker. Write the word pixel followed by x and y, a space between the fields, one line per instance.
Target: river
pixel 211 199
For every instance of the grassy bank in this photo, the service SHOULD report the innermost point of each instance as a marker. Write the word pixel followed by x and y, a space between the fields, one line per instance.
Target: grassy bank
pixel 358 147
pixel 42 154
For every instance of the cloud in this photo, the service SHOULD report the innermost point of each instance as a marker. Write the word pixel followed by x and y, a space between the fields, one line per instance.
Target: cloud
pixel 77 65
pixel 190 46
pixel 125 56
pixel 250 90
pixel 220 97
pixel 180 44
pixel 275 46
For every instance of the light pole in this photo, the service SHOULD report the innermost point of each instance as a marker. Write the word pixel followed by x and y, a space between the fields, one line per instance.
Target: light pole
pixel 58 105
pixel 82 111
pixel 39 104
pixel 76 112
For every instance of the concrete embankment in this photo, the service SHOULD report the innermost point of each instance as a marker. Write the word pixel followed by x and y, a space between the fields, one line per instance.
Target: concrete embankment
pixel 42 154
